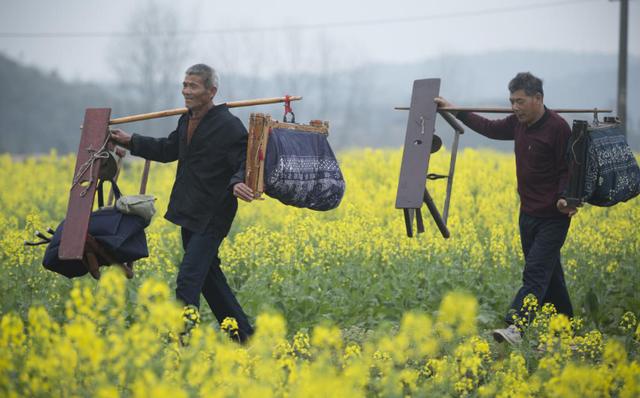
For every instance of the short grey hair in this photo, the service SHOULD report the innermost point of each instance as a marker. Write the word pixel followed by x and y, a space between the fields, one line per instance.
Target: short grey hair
pixel 207 73
pixel 528 82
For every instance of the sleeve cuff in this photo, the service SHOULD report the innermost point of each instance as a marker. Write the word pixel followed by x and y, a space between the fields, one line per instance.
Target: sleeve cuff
pixel 133 144
pixel 233 181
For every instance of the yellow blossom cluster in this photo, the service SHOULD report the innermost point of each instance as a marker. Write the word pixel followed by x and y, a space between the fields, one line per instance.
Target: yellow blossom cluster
pixel 343 301
pixel 95 352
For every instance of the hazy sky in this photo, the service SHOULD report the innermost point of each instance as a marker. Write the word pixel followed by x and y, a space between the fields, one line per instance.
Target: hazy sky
pixel 355 31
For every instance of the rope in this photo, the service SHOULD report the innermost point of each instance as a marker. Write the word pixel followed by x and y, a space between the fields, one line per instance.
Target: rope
pixel 573 149
pixel 287 104
pixel 101 153
pixel 288 110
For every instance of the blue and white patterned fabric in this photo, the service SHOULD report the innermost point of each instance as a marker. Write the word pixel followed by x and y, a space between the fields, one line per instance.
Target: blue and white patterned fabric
pixel 301 170
pixel 612 174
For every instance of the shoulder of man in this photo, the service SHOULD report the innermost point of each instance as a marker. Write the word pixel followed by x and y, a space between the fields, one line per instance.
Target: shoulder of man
pixel 555 118
pixel 559 124
pixel 234 127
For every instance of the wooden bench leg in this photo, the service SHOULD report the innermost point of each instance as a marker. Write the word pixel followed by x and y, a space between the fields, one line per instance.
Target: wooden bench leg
pixel 91 262
pixel 93 249
pixel 127 268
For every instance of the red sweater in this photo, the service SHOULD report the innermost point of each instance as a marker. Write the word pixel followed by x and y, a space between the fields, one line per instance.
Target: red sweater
pixel 540 150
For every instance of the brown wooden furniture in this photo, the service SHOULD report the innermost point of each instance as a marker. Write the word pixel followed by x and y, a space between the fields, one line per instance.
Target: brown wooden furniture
pixel 76 243
pixel 418 146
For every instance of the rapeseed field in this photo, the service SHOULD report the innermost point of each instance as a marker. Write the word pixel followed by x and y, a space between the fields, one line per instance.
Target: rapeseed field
pixel 343 302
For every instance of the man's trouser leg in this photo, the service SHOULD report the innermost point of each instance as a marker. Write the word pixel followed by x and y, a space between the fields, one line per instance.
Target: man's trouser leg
pixel 557 293
pixel 542 239
pixel 222 301
pixel 200 272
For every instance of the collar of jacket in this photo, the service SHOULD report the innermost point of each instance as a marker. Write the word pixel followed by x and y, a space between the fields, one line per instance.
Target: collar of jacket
pixel 212 111
pixel 540 121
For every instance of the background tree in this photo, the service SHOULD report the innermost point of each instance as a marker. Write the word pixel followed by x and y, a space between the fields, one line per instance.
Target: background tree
pixel 149 61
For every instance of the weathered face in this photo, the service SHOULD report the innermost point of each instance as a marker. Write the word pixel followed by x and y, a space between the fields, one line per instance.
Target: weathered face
pixel 527 108
pixel 195 94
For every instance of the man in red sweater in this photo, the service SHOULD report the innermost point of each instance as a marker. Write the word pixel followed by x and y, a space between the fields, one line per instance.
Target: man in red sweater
pixel 540 142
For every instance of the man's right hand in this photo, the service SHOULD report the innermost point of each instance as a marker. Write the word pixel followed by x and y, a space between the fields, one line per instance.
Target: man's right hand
pixel 563 207
pixel 242 191
pixel 120 137
pixel 443 103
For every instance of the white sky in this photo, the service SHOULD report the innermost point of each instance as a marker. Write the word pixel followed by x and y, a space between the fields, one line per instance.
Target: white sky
pixel 460 27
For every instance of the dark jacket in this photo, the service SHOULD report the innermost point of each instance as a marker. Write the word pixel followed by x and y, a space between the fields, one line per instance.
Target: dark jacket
pixel 202 198
pixel 540 149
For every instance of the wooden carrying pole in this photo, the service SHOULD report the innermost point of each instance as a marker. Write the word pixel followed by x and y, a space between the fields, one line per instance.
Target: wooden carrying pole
pixel 180 111
pixel 505 110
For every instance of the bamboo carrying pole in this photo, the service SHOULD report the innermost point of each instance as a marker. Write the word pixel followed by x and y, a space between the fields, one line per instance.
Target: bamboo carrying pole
pixel 505 110
pixel 180 111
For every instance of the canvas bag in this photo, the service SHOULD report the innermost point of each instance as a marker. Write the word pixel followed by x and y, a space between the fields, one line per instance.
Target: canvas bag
pixel 138 205
pixel 122 235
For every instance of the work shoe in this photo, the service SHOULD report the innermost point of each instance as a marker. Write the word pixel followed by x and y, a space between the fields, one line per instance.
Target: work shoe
pixel 511 335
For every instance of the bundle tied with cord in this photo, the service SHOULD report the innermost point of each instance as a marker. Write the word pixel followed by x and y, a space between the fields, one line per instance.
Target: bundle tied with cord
pixel 603 169
pixel 293 163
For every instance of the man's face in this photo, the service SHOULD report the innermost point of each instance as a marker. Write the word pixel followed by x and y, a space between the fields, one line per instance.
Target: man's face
pixel 526 107
pixel 195 94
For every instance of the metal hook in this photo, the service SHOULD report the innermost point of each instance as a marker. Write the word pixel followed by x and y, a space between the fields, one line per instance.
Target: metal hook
pixel 293 117
pixel 595 117
pixel 288 110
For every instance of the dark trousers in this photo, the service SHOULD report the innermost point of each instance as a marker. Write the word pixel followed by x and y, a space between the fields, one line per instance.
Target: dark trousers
pixel 200 272
pixel 542 239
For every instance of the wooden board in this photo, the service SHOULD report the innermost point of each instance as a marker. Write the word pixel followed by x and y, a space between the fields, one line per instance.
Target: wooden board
pixel 81 195
pixel 256 148
pixel 322 128
pixel 417 144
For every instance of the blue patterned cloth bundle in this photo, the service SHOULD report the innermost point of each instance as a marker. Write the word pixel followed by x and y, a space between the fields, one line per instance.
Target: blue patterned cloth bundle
pixel 301 170
pixel 612 174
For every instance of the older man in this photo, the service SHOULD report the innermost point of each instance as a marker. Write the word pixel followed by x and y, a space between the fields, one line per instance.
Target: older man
pixel 540 137
pixel 209 144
